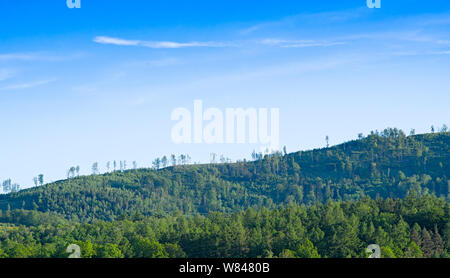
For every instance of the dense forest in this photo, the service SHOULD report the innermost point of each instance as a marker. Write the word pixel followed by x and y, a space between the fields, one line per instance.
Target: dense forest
pixel 386 188
pixel 415 227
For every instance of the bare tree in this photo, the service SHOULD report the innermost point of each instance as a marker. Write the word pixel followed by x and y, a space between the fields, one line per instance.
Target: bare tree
pixel 213 158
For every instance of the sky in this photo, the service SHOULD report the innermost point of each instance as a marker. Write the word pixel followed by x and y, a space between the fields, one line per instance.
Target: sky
pixel 100 83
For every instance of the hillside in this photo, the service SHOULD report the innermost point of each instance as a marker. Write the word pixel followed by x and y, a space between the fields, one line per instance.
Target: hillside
pixel 386 165
pixel 414 227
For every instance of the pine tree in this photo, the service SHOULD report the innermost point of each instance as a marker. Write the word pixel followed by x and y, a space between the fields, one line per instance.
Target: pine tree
pixel 427 244
pixel 416 234
pixel 438 242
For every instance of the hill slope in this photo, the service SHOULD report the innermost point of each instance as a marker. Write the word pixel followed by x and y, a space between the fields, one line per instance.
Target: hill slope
pixel 381 165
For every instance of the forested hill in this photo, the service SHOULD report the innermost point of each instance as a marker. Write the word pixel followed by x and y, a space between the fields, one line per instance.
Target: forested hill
pixel 386 165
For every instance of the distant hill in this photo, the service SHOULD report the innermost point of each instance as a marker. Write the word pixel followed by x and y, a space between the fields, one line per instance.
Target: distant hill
pixel 385 165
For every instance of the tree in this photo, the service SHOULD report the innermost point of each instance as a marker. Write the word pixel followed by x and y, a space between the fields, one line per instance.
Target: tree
pixel 71 172
pixel 173 159
pixel 35 181
pixel 438 242
pixel 95 168
pixel 182 159
pixel 213 158
pixel 327 139
pixel 427 244
pixel 413 251
pixel 386 252
pixel 164 161
pixel 110 250
pixel 41 179
pixel 416 234
pixel 432 129
pixel 147 248
pixel 157 163
pixel 134 165
pixel 188 159
pixel 77 170
pixel 108 166
pixel 444 128
pixel 307 250
pixel 287 254
pixel 7 185
pixel 87 249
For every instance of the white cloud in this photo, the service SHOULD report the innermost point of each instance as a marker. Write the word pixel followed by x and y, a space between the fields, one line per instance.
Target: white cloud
pixel 27 85
pixel 115 41
pixel 38 56
pixel 442 52
pixel 299 43
pixel 174 45
pixel 156 44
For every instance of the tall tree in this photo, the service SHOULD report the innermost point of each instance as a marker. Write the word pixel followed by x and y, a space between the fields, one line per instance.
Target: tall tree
pixel 427 244
pixel 41 179
pixel 95 168
pixel 174 160
pixel 164 161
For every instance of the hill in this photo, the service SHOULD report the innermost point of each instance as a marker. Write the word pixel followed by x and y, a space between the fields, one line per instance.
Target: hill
pixel 386 165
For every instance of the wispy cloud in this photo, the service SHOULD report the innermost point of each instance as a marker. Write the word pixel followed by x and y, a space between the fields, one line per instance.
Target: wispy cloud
pixel 37 56
pixel 28 85
pixel 116 41
pixel 308 18
pixel 445 52
pixel 172 45
pixel 156 44
pixel 299 43
pixel 17 56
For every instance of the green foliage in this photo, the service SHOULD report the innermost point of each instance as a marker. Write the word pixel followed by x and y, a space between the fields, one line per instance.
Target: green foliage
pixel 110 250
pixel 334 229
pixel 385 165
pixel 385 189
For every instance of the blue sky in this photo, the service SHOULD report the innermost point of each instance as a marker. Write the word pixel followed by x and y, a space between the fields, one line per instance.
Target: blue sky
pixel 99 83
